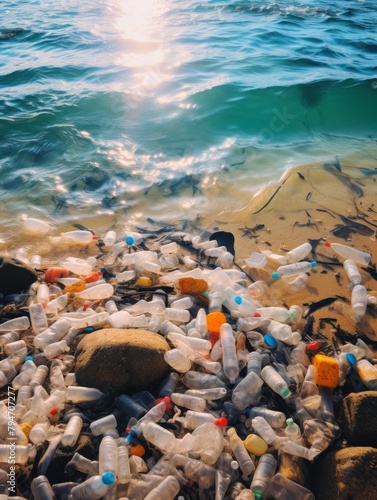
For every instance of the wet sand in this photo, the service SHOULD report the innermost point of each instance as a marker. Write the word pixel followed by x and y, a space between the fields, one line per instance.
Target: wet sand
pixel 307 204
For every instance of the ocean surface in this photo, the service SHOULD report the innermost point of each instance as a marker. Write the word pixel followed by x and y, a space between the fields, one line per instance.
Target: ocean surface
pixel 130 109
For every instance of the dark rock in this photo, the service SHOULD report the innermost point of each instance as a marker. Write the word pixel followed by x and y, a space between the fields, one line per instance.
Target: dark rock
pixel 346 474
pixel 55 472
pixel 15 276
pixel 357 418
pixel 116 359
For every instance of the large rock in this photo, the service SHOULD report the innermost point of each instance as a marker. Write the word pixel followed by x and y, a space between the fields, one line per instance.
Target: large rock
pixel 358 420
pixel 346 474
pixel 15 276
pixel 114 359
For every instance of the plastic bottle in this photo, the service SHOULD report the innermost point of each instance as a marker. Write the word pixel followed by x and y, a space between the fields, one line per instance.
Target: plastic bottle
pixel 38 317
pixel 255 445
pixel 242 456
pixel 282 488
pixel 293 431
pixel 275 381
pixel 359 301
pixel 163 439
pixel 52 334
pixel 293 269
pixel 39 376
pixel 280 314
pixel 35 226
pixel 22 256
pixel 124 473
pixel 168 385
pixel 299 253
pixel 41 488
pixel 197 380
pixel 98 292
pixel 368 373
pixel 167 489
pixel 17 324
pixel 352 272
pixel 177 360
pixel 133 238
pixel 57 304
pixel 201 346
pixel 26 373
pixel 275 418
pixel 263 428
pixel 108 456
pixel 194 419
pixel 177 315
pixel 80 237
pixel 19 453
pixel 350 253
pixel 208 394
pixel 296 449
pixel 246 390
pixel 77 394
pixel 72 431
pixel 230 361
pixel 263 474
pixel 103 425
pixel 109 239
pixel 191 402
pixel 83 464
pixel 6 338
pixel 13 347
pixel 39 432
pixel 195 470
pixel 93 488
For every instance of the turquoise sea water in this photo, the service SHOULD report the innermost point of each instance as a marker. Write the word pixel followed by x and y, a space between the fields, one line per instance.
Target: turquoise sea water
pixel 153 107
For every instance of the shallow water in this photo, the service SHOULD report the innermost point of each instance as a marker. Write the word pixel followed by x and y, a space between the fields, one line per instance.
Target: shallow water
pixel 123 110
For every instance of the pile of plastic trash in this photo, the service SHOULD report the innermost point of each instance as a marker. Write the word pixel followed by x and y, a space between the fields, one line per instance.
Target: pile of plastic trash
pixel 244 387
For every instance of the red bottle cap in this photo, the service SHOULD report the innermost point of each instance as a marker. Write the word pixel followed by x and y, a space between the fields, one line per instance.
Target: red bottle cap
pixel 313 346
pixel 257 314
pixel 327 244
pixel 167 400
pixel 221 422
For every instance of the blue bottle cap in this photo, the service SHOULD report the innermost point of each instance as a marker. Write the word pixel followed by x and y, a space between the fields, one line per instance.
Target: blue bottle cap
pixel 108 478
pixel 269 340
pixel 247 412
pixel 285 393
pixel 351 358
pixel 238 300
pixel 89 329
pixel 275 275
pixel 130 240
pixel 313 263
pixel 28 358
pixel 206 295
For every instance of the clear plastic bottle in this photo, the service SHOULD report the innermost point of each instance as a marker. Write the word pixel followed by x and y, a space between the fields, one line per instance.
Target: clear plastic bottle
pixel 263 428
pixel 103 425
pixel 22 256
pixel 275 381
pixel 83 464
pixel 230 361
pixel 275 418
pixel 124 473
pixel 39 376
pixel 38 317
pixel 52 334
pixel 208 394
pixel 293 431
pixel 79 267
pixel 191 402
pixel 17 324
pixel 246 390
pixel 125 276
pixel 359 301
pixel 195 470
pixel 9 337
pixel 93 488
pixel 194 419
pixel 98 292
pixel 177 315
pixel 35 226
pixel 57 304
pixel 350 253
pixel 197 380
pixel 41 488
pixel 293 269
pixel 309 392
pixel 299 253
pixel 263 474
pixel 163 439
pixel 352 272
pixel 201 346
pixel 19 453
pixel 282 488
pixel 133 238
pixel 178 361
pixel 108 456
pixel 80 237
pixel 26 373
pixel 168 489
pixel 39 432
pixel 296 449
pixel 77 394
pixel 242 456
pixel 109 239
pixel 13 347
pixel 72 431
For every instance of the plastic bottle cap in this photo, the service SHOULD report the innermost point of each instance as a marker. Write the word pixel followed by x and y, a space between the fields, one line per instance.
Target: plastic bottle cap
pixel 221 422
pixel 130 240
pixel 167 400
pixel 289 421
pixel 285 393
pixel 29 358
pixel 132 434
pixel 270 340
pixel 258 495
pixel 138 450
pixel 206 295
pixel 327 244
pixel 238 300
pixel 54 411
pixel 214 321
pixel 313 263
pixel 247 412
pixel 234 464
pixel 257 314
pixel 89 329
pixel 108 478
pixel 94 237
pixel 275 275
pixel 313 346
pixel 351 358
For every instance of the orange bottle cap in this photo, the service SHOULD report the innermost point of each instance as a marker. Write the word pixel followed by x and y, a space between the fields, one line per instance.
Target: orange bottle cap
pixel 214 321
pixel 137 450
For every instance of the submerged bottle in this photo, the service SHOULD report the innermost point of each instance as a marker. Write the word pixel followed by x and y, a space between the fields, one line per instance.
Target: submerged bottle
pixel 80 237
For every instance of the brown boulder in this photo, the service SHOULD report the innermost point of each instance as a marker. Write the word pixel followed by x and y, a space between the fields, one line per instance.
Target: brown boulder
pixel 346 474
pixel 15 276
pixel 357 418
pixel 115 359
